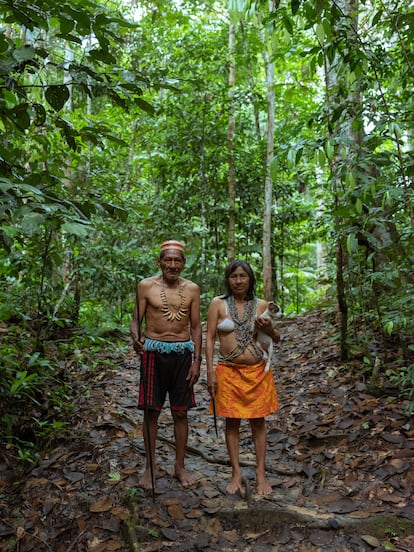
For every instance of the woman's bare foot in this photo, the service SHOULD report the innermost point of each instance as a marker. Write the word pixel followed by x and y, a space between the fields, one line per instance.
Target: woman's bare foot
pixel 235 486
pixel 187 479
pixel 263 485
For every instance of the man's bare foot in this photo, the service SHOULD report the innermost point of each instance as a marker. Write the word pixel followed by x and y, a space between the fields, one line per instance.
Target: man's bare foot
pixel 235 486
pixel 145 480
pixel 263 486
pixel 187 479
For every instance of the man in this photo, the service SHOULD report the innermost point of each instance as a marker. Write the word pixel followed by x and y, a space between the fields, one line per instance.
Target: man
pixel 171 354
pixel 239 384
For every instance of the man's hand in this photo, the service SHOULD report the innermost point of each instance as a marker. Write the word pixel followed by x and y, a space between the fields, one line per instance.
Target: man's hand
pixel 194 372
pixel 138 345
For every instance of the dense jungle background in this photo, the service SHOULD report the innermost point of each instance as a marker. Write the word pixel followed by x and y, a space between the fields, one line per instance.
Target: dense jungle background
pixel 280 132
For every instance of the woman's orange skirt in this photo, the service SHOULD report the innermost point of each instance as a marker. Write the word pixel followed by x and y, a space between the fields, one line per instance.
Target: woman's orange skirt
pixel 245 391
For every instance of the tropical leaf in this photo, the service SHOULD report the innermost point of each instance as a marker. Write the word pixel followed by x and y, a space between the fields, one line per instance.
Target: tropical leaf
pixel 57 96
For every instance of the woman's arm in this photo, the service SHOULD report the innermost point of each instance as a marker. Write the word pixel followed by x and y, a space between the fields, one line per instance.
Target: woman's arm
pixel 212 318
pixel 265 324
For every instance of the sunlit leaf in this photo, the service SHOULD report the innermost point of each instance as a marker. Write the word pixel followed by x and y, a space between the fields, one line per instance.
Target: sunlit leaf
pixel 320 32
pixel 351 243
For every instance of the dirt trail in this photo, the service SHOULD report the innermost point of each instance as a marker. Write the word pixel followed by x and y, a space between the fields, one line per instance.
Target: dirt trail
pixel 340 462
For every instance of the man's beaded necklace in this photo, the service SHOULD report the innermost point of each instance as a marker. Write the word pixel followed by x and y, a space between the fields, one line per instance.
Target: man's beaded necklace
pixel 166 311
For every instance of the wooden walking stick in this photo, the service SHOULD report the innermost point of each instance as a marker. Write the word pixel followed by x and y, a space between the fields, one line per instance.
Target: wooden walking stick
pixel 144 383
pixel 213 400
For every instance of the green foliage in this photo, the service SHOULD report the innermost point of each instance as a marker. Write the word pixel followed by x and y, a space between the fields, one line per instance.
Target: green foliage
pixel 405 380
pixel 30 397
pixel 114 139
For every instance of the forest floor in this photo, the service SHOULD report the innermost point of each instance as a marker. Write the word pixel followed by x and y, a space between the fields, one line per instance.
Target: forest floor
pixel 340 461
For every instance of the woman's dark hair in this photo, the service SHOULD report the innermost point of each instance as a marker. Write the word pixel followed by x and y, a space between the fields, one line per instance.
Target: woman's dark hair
pixel 247 268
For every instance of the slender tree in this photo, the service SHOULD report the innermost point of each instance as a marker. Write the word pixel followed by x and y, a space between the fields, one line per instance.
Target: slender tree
pixel 268 185
pixel 231 127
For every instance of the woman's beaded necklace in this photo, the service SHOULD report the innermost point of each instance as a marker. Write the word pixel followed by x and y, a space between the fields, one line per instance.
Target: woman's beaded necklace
pixel 166 311
pixel 243 328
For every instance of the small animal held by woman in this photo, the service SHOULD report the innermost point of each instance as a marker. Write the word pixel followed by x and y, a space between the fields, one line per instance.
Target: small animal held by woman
pixel 264 341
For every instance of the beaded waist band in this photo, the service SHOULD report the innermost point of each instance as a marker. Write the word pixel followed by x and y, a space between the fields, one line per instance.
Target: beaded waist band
pixel 168 346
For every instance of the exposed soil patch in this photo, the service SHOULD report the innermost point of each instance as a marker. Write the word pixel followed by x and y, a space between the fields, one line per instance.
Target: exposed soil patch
pixel 340 461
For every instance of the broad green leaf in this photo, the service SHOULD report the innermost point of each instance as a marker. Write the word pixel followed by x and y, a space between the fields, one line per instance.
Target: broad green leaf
pixel 115 210
pixel 68 132
pixel 21 381
pixel 294 6
pixel 23 187
pixel 101 20
pixel 10 231
pixel 329 149
pixel 286 39
pixel 40 114
pixel 396 129
pixel 409 170
pixel 291 157
pixel 32 223
pixel 387 200
pixel 66 26
pixel 131 87
pixel 320 32
pixel 144 105
pixel 336 113
pixel 29 17
pixel 99 54
pixel 57 96
pixel 288 24
pixel 82 18
pixel 3 43
pixel 327 28
pixel 320 157
pixel 351 243
pixel 350 180
pixel 377 17
pixel 5 184
pixel 274 167
pixel 75 228
pixel 33 359
pixel 20 116
pixel 24 53
pixel 69 37
pixel 70 140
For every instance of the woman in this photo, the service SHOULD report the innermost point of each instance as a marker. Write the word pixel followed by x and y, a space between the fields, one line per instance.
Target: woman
pixel 239 384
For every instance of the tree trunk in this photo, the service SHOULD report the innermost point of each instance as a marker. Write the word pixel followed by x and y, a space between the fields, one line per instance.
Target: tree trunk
pixel 332 82
pixel 231 240
pixel 268 188
pixel 342 303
